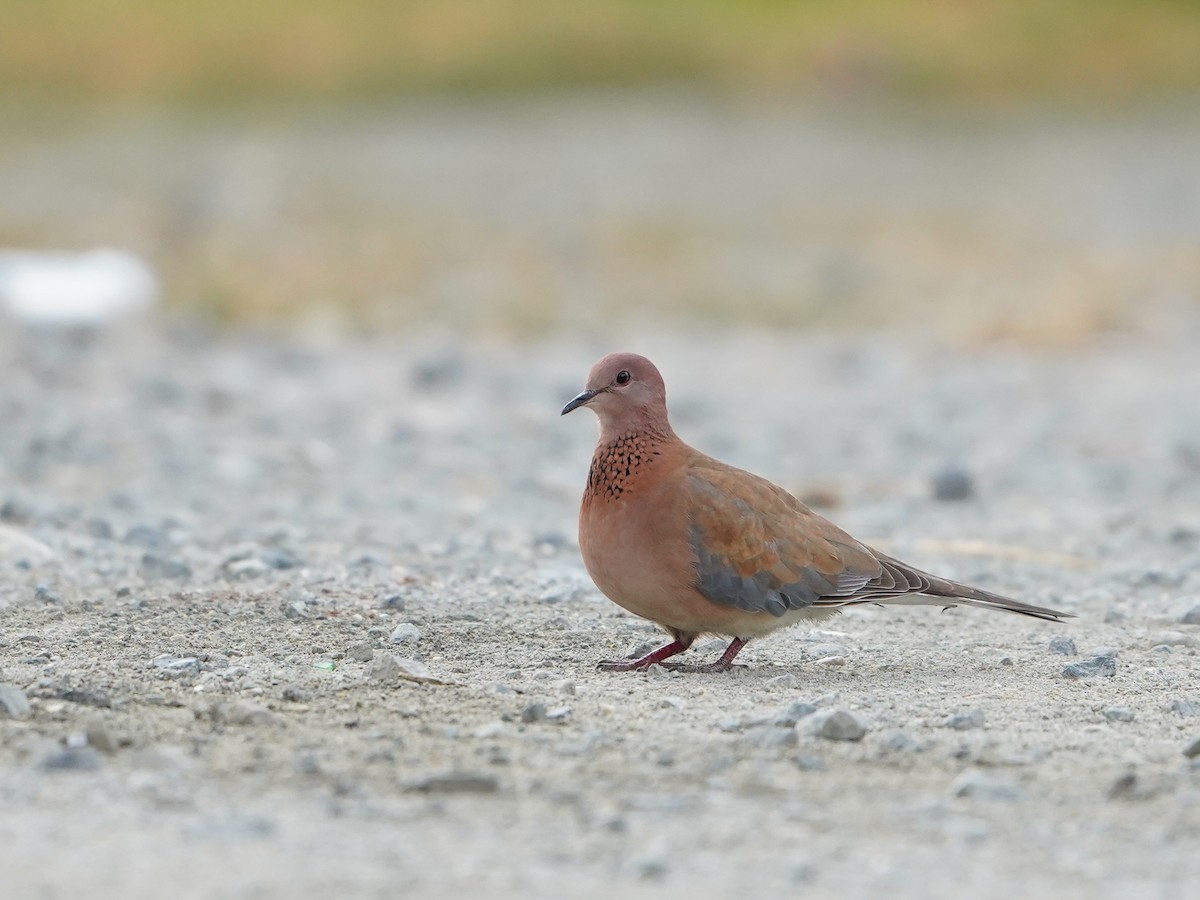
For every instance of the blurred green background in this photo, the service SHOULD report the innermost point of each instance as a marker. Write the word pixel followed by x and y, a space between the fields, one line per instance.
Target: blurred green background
pixel 533 165
pixel 163 51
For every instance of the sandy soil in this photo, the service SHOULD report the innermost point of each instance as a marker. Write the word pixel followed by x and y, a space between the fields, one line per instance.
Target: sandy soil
pixel 212 547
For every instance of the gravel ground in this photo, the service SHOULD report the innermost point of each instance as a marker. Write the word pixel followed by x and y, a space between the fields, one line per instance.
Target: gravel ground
pixel 284 618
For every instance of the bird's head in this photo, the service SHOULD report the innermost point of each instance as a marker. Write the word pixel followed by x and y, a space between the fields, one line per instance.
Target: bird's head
pixel 625 391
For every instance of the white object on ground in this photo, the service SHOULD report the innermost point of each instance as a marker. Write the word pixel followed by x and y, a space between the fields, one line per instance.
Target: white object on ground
pixel 61 289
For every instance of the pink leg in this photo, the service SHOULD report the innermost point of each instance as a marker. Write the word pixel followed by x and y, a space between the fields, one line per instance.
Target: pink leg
pixel 724 664
pixel 628 665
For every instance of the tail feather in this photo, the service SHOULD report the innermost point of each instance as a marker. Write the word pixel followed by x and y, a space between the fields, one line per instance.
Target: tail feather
pixel 904 585
pixel 977 598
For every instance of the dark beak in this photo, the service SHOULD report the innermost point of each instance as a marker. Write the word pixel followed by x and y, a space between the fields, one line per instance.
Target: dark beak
pixel 581 400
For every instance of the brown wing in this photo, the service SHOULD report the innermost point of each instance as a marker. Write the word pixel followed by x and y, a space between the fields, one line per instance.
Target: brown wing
pixel 760 549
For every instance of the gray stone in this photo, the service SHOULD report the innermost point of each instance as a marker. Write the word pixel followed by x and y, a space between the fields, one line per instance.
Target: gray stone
pixel 176 667
pixel 395 603
pixel 297 609
pixel 456 783
pixel 46 594
pixel 157 567
pixel 102 738
pixel 387 668
pixel 964 721
pixel 534 712
pixel 793 713
pixel 1062 645
pixel 173 667
pixel 1192 750
pixel 1191 617
pixel 1119 714
pixel 835 724
pixel 71 759
pixel 13 702
pixel 278 559
pixel 250 567
pixel 245 712
pixel 951 482
pixel 405 633
pixel 1097 666
pixel 362 652
pixel 146 536
pixel 384 667
pixel 900 742
pixel 1185 707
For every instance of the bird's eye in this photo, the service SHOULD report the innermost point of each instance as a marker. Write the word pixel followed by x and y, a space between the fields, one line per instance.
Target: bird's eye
pixel 623 377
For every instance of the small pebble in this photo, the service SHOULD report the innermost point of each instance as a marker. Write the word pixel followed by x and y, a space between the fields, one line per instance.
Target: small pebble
pixel 99 736
pixel 174 667
pixel 146 536
pixel 405 633
pixel 835 724
pixel 642 649
pixel 1124 787
pixel 46 594
pixel 793 713
pixel 1185 707
pixel 456 783
pixel 71 759
pixel 1062 645
pixel 964 721
pixel 245 712
pixel 13 702
pixel 1191 617
pixel 900 742
pixel 384 667
pixel 362 652
pixel 1192 750
pixel 1119 714
pixel 534 712
pixel 395 603
pixel 156 567
pixel 1097 666
pixel 951 482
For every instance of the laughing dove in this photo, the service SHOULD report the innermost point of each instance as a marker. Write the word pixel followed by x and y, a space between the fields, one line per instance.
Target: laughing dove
pixel 699 547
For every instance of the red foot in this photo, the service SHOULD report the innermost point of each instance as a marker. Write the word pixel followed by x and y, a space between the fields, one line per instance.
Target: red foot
pixel 724 664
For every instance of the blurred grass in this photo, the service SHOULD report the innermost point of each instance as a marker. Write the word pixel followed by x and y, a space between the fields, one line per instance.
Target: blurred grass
pixel 254 228
pixel 135 52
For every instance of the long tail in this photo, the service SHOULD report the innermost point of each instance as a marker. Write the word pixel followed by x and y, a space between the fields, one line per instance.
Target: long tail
pixel 912 587
pixel 964 595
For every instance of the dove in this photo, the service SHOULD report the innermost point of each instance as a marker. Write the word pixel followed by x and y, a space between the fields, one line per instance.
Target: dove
pixel 701 547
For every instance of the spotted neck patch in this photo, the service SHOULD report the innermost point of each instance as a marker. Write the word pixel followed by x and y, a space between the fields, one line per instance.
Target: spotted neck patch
pixel 617 465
